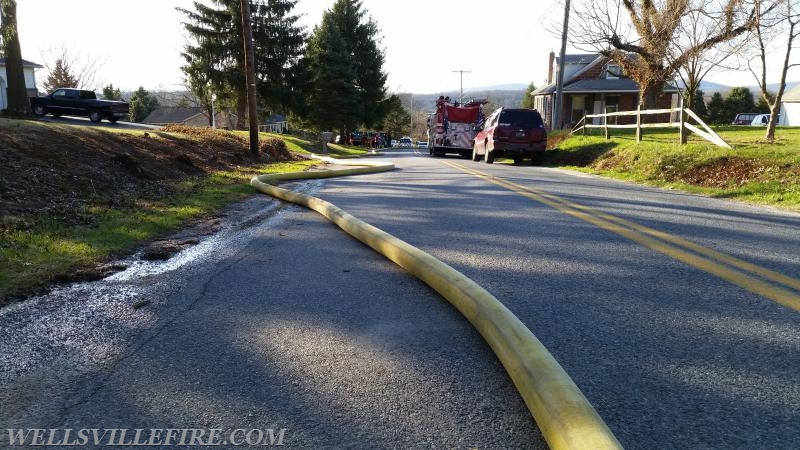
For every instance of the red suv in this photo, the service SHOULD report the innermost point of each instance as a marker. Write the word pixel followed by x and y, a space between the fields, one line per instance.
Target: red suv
pixel 511 133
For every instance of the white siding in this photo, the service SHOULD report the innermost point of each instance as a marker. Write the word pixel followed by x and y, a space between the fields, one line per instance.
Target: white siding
pixel 790 114
pixel 30 76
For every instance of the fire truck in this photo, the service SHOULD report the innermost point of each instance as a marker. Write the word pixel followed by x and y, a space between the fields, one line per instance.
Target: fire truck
pixel 452 128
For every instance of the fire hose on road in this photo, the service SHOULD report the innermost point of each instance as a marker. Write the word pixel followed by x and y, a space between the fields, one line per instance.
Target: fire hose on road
pixel 565 417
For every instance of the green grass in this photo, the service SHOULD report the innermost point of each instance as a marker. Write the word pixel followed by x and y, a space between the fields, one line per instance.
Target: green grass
pixel 44 250
pixel 752 171
pixel 293 143
pixel 347 151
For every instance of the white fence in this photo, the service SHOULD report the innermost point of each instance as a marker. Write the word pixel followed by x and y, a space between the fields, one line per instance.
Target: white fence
pixel 681 123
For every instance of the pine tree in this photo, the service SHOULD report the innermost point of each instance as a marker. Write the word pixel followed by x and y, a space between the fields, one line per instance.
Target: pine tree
pixel 333 100
pixel 716 110
pixel 215 63
pixel 739 100
pixel 60 77
pixel 698 104
pixel 527 98
pixel 398 120
pixel 345 62
pixel 141 104
pixel 112 93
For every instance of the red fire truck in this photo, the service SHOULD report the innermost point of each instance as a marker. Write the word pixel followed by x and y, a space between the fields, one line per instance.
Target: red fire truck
pixel 452 128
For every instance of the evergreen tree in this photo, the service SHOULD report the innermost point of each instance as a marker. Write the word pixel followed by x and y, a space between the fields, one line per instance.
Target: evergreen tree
pixel 698 104
pixel 141 104
pixel 716 110
pixel 527 98
pixel 112 93
pixel 18 102
pixel 739 100
pixel 346 82
pixel 762 107
pixel 215 63
pixel 60 77
pixel 397 121
pixel 333 98
pixel 278 45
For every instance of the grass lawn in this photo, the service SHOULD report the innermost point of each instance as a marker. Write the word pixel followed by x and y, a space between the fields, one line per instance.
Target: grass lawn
pixel 752 171
pixel 36 248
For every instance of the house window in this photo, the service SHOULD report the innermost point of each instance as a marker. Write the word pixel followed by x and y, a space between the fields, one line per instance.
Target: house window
pixel 613 71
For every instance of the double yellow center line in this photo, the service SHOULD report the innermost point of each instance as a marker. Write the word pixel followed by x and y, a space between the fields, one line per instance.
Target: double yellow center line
pixel 759 280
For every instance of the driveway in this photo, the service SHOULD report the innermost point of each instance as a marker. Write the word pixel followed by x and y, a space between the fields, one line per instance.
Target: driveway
pixel 85 122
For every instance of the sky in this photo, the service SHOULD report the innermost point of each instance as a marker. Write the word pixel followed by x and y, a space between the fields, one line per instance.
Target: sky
pixel 138 43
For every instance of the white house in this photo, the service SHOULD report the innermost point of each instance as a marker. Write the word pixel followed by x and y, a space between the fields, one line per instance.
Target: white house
pixel 790 107
pixel 29 69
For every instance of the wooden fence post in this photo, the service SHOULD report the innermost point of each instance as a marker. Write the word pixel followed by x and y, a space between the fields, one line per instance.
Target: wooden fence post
pixel 638 123
pixel 682 120
pixel 605 125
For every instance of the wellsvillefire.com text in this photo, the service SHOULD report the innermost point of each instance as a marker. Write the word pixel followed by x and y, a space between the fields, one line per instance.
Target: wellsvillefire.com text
pixel 143 437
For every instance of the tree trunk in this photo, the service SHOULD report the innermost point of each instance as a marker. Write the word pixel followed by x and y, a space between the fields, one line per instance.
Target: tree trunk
pixel 774 110
pixel 18 103
pixel 648 96
pixel 241 111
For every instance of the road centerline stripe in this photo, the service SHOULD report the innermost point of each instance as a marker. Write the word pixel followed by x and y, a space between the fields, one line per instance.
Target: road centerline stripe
pixel 708 260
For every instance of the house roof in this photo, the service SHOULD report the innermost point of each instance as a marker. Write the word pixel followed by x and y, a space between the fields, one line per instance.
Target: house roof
pixel 604 85
pixel 173 114
pixel 25 63
pixel 792 95
pixel 584 58
pixel 275 118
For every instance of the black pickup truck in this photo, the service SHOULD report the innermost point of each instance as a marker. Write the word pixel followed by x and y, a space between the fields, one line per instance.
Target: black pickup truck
pixel 76 102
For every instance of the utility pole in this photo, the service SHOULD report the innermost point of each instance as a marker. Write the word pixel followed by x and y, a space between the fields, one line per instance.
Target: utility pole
pixel 412 113
pixel 559 100
pixel 461 72
pixel 250 70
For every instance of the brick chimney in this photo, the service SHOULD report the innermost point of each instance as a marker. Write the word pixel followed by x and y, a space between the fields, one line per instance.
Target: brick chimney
pixel 550 67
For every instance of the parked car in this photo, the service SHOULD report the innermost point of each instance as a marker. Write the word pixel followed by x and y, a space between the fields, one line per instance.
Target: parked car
pixel 744 118
pixel 760 120
pixel 422 144
pixel 514 133
pixel 406 141
pixel 355 137
pixel 77 102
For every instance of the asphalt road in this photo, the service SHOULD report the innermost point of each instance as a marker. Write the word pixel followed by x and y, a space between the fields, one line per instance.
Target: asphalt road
pixel 283 321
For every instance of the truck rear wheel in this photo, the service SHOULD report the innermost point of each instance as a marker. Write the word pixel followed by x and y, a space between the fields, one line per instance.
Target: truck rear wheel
pixel 39 110
pixel 95 116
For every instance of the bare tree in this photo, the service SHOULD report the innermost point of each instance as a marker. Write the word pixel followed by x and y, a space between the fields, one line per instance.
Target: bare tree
pixel 65 69
pixel 696 27
pixel 18 102
pixel 779 26
pixel 639 36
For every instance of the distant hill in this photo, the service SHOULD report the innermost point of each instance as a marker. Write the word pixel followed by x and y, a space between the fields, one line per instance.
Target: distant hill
pixel 709 87
pixel 511 97
pixel 499 87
